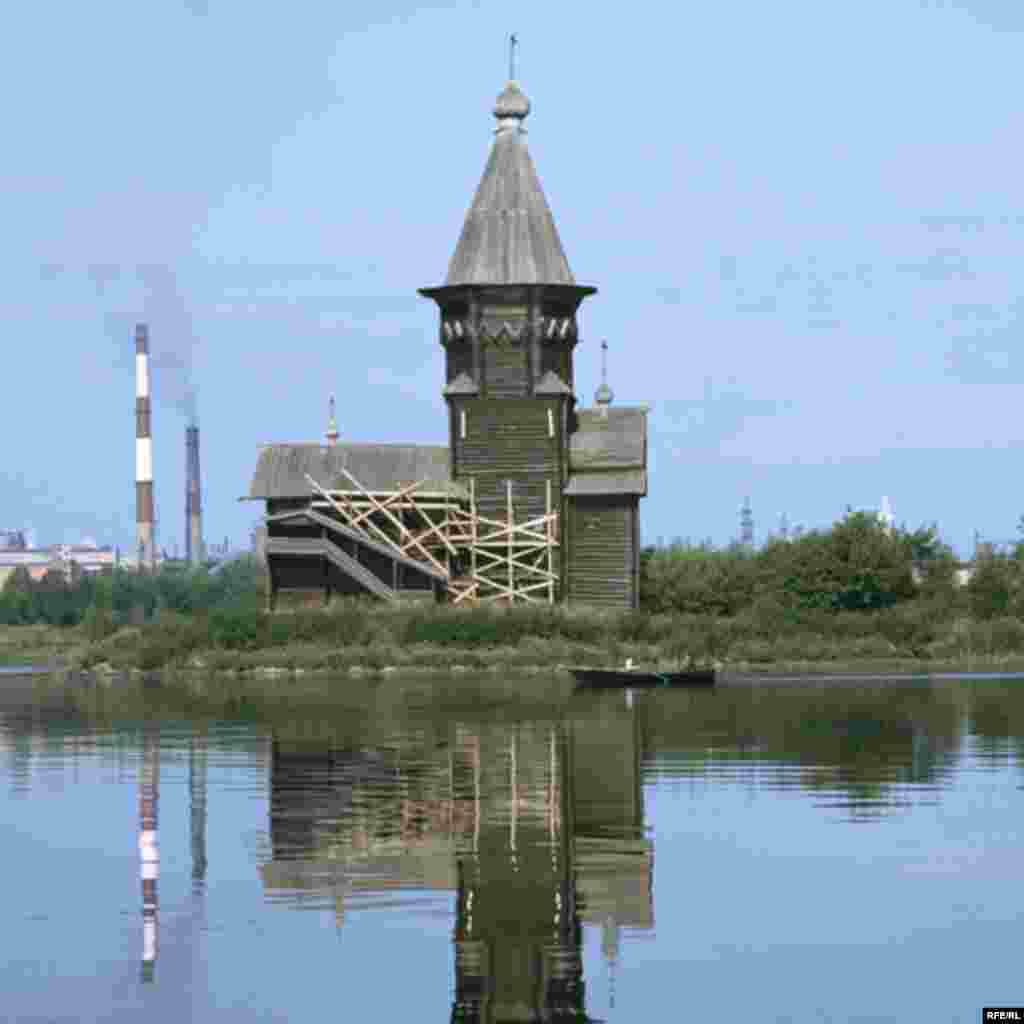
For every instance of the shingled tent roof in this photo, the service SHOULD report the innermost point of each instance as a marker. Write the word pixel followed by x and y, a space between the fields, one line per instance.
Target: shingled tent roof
pixel 282 468
pixel 509 236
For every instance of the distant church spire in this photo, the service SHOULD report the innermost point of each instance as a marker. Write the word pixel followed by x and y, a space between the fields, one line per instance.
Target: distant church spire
pixel 332 425
pixel 747 524
pixel 603 395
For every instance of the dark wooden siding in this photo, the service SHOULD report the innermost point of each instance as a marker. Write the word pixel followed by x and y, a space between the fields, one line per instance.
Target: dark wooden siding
pixel 460 359
pixel 289 528
pixel 277 505
pixel 556 359
pixel 602 554
pixel 295 572
pixel 505 369
pixel 340 582
pixel 309 569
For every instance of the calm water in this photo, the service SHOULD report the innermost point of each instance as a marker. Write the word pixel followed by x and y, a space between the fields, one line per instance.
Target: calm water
pixel 791 852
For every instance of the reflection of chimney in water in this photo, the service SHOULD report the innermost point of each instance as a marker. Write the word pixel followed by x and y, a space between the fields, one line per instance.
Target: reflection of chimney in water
pixel 144 517
pixel 194 553
pixel 149 851
pixel 197 769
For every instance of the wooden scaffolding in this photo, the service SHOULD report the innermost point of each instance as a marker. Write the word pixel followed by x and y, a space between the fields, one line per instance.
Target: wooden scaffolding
pixel 477 558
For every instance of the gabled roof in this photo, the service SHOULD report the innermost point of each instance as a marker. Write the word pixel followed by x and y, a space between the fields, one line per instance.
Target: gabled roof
pixel 509 235
pixel 552 384
pixel 463 384
pixel 615 441
pixel 281 469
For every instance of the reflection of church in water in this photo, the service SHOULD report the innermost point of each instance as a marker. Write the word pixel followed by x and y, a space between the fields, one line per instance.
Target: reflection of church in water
pixel 536 826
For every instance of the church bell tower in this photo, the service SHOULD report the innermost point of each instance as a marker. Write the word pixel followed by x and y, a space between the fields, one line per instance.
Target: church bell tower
pixel 508 325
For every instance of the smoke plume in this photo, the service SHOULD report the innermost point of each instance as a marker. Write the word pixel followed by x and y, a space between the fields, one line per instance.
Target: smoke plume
pixel 172 340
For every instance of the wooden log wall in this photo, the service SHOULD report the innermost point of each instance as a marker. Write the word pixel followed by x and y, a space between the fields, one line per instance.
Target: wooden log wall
pixel 602 551
pixel 509 440
pixel 506 369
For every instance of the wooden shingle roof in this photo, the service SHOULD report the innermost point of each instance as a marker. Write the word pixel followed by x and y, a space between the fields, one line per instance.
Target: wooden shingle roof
pixel 626 481
pixel 281 469
pixel 463 384
pixel 509 235
pixel 608 453
pixel 615 441
pixel 552 384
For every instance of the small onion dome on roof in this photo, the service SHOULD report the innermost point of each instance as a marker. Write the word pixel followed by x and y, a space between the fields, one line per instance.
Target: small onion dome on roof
pixel 332 426
pixel 512 102
pixel 603 395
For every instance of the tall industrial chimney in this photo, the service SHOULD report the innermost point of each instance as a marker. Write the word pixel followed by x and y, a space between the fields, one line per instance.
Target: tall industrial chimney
pixel 143 452
pixel 194 551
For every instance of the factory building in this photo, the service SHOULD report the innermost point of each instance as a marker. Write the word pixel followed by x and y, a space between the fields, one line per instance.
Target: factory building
pixel 63 558
pixel 532 498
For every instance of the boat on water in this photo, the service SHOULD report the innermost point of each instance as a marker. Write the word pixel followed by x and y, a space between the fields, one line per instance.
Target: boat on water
pixel 636 677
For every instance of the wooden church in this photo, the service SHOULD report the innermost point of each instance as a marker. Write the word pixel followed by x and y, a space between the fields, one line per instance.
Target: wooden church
pixel 533 498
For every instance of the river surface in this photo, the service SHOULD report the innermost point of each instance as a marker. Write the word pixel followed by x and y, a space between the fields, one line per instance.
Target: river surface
pixel 773 852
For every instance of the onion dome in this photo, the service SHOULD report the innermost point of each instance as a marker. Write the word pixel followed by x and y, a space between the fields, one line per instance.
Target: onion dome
pixel 332 426
pixel 604 395
pixel 512 104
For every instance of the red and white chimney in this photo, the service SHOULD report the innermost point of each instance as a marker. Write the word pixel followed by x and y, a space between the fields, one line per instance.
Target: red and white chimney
pixel 144 517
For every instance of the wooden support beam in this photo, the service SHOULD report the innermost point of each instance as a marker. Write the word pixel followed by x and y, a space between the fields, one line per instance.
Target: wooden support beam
pixel 473 528
pixel 498 561
pixel 508 494
pixel 551 551
pixel 469 592
pixel 434 529
pixel 375 505
pixel 507 560
pixel 396 522
pixel 343 512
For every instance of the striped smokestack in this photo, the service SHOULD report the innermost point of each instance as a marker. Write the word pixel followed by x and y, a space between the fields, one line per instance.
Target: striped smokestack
pixel 194 552
pixel 143 452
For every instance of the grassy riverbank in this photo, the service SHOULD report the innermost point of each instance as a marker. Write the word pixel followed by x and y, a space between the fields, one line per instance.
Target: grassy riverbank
pixel 360 637
pixel 39 645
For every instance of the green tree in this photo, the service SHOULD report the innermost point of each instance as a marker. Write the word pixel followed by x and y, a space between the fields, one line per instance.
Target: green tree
pixel 994 585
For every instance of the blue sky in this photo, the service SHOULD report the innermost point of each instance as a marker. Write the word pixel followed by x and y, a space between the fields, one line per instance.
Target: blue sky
pixel 804 222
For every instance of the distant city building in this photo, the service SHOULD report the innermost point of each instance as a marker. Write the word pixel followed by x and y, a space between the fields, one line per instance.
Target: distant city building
pixel 58 557
pixel 12 540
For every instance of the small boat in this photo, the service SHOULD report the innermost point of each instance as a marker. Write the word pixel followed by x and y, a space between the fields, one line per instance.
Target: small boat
pixel 630 677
